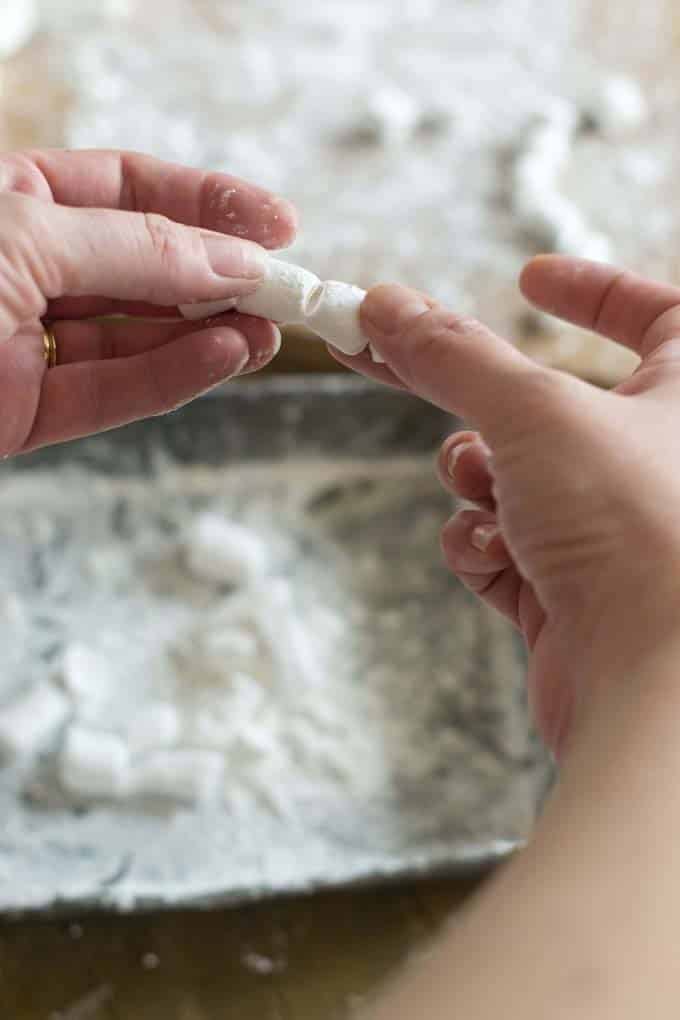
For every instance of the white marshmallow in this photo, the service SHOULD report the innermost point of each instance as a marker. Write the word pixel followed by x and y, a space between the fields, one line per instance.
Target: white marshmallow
pixel 334 315
pixel 293 296
pixel 537 199
pixel 221 552
pixel 192 776
pixel 94 763
pixel 86 675
pixel 392 115
pixel 208 309
pixel 27 722
pixel 616 103
pixel 155 726
pixel 18 22
pixel 284 295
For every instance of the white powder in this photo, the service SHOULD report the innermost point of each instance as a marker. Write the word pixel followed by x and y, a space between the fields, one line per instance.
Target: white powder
pixel 391 124
pixel 323 687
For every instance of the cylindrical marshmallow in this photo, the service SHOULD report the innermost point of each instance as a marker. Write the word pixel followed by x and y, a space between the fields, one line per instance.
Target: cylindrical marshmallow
pixel 221 552
pixel 293 296
pixel 94 763
pixel 284 295
pixel 28 721
pixel 334 315
pixel 192 776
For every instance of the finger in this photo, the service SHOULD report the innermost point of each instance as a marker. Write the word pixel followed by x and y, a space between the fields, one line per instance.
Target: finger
pixel 464 466
pixel 629 309
pixel 50 250
pixel 120 338
pixel 475 551
pixel 93 396
pixel 455 362
pixel 138 183
pixel 93 307
pixel 473 544
pixel 364 365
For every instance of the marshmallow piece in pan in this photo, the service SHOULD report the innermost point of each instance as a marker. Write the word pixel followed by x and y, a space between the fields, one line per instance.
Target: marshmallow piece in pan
pixel 27 722
pixel 157 725
pixel 293 296
pixel 221 552
pixel 94 763
pixel 184 775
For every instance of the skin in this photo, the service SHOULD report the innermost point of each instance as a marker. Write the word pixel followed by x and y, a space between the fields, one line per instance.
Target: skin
pixel 576 536
pixel 88 234
pixel 576 540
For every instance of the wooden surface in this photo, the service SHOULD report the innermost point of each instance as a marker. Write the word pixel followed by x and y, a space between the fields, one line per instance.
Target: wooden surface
pixel 313 958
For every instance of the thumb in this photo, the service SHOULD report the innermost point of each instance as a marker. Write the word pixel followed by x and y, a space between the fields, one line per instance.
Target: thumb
pixel 453 361
pixel 47 251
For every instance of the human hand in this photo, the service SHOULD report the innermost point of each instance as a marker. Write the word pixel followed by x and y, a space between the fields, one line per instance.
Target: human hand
pixel 576 535
pixel 87 234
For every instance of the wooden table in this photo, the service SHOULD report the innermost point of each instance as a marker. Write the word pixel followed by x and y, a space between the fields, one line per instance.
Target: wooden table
pixel 311 958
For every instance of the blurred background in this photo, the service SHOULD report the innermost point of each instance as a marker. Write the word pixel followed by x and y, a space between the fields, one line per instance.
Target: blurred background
pixel 439 143
pixel 396 127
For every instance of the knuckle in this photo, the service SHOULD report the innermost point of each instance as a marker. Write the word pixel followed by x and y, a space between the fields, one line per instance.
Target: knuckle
pixel 29 270
pixel 166 239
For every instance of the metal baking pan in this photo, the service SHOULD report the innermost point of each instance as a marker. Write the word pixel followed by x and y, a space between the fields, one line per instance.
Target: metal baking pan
pixel 56 857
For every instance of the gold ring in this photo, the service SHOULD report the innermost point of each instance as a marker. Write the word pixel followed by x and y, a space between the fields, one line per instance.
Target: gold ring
pixel 49 346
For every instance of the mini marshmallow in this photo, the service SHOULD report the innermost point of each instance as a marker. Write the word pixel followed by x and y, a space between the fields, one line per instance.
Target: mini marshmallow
pixel 221 552
pixel 86 675
pixel 294 296
pixel 190 776
pixel 94 763
pixel 31 719
pixel 392 116
pixel 615 103
pixel 154 727
pixel 538 202
pixel 18 23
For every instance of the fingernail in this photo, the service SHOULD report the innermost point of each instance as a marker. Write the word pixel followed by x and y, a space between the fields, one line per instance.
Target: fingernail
pixel 233 258
pixel 391 308
pixel 483 535
pixel 455 454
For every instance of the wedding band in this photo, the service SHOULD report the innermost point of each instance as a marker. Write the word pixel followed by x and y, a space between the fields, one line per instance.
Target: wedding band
pixel 49 347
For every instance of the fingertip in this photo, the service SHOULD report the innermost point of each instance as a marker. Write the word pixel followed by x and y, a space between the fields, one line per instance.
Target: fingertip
pixel 389 308
pixel 222 352
pixel 534 274
pixel 285 223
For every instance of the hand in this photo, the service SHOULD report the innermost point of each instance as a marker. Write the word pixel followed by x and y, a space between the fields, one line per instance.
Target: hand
pixel 86 234
pixel 576 537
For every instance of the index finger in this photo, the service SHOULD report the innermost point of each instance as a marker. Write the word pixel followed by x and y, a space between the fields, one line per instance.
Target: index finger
pixel 138 183
pixel 635 312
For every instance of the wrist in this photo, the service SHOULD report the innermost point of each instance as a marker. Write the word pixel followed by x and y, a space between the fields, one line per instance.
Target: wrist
pixel 628 688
